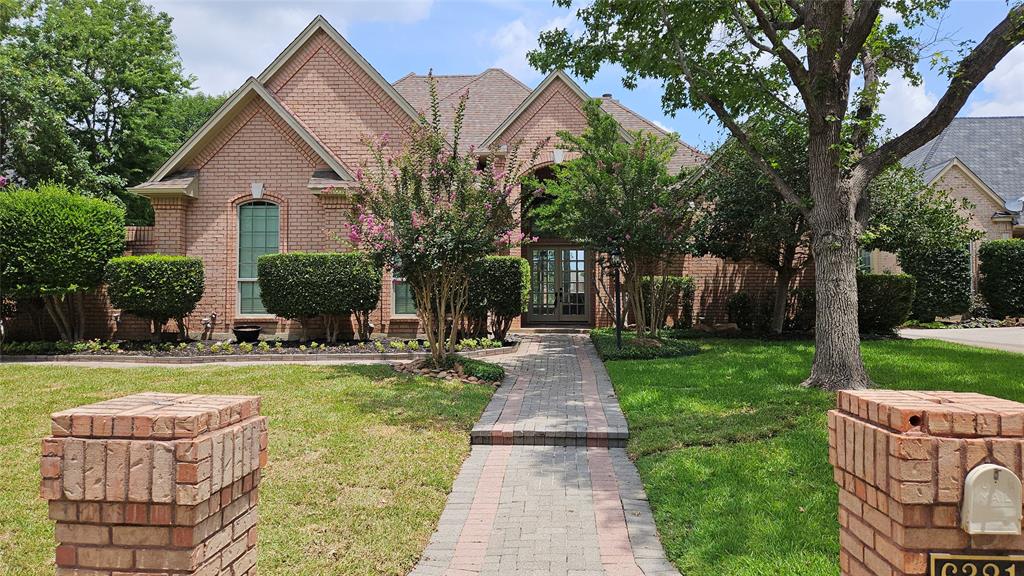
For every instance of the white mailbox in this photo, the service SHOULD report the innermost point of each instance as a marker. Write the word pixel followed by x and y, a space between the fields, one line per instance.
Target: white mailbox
pixel 992 501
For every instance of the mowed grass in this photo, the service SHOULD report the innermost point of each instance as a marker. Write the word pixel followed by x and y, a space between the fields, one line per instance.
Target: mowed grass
pixel 361 459
pixel 734 452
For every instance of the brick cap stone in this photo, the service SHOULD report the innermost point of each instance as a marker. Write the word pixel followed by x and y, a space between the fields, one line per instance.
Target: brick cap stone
pixel 943 414
pixel 154 415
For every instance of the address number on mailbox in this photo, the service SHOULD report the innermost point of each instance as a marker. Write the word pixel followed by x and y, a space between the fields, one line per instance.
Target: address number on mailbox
pixel 957 565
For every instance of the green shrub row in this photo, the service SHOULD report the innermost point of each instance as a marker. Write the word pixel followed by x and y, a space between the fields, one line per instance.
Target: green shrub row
pixel 304 285
pixel 500 289
pixel 943 281
pixel 884 301
pixel 156 287
pixel 1002 276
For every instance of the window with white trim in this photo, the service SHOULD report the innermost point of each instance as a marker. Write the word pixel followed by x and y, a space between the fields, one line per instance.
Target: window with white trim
pixel 403 303
pixel 258 234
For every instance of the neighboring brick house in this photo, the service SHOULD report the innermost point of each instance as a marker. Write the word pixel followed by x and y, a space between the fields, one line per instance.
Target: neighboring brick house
pixel 273 169
pixel 979 159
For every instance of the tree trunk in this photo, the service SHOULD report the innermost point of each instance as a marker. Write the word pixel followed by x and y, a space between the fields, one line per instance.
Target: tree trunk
pixel 779 309
pixel 837 360
pixel 155 328
pixel 55 308
pixel 182 329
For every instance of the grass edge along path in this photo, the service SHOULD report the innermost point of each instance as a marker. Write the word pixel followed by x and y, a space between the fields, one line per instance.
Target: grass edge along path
pixel 733 452
pixel 361 459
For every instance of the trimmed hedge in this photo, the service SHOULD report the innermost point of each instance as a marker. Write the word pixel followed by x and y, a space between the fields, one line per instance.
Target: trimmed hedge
pixel 54 244
pixel 884 301
pixel 156 287
pixel 305 285
pixel 1002 276
pixel 943 281
pixel 501 287
pixel 680 291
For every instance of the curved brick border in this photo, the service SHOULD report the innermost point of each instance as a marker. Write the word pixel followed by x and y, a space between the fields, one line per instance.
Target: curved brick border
pixel 249 358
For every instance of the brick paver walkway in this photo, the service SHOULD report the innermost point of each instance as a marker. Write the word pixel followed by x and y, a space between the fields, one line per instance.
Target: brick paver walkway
pixel 542 493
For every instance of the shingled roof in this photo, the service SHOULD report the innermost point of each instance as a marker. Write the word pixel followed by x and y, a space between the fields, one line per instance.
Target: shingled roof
pixel 495 94
pixel 991 148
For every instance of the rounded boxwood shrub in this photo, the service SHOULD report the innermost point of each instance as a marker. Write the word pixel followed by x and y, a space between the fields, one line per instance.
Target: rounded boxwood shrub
pixel 943 281
pixel 1002 276
pixel 156 287
pixel 500 287
pixel 884 301
pixel 679 292
pixel 54 245
pixel 305 285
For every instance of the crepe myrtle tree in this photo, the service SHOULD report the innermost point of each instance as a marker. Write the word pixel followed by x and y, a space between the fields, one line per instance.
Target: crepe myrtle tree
pixel 617 193
pixel 430 214
pixel 733 58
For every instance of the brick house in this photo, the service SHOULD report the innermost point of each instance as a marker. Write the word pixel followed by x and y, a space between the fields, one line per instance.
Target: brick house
pixel 978 159
pixel 273 170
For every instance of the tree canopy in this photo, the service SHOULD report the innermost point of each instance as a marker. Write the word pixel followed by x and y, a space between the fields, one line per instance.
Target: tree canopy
pixel 731 59
pixel 92 96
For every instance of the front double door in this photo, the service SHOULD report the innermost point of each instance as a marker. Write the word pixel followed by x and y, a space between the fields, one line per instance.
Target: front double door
pixel 559 285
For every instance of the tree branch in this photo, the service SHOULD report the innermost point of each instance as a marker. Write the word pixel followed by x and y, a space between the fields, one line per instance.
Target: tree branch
pixel 857 34
pixel 868 101
pixel 718 107
pixel 971 71
pixel 796 68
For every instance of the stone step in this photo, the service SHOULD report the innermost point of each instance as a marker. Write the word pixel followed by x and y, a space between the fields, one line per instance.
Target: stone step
pixel 614 437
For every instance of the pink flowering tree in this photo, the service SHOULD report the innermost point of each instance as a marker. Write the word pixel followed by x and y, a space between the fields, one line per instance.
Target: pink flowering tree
pixel 617 195
pixel 429 212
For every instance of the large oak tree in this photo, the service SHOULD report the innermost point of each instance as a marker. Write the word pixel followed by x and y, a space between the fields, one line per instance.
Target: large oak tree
pixel 733 58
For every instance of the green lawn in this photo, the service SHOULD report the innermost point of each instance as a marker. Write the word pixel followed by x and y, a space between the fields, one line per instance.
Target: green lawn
pixel 734 453
pixel 360 465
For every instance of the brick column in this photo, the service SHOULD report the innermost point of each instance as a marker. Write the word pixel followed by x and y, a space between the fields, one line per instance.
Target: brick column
pixel 900 461
pixel 171 222
pixel 156 484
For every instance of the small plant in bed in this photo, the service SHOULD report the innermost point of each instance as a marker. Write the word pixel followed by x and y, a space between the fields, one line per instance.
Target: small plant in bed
pixel 455 366
pixel 210 348
pixel 634 348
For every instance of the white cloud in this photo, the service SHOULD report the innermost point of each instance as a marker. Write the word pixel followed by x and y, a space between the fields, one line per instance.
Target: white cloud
pixel 1002 93
pixel 515 39
pixel 225 42
pixel 904 104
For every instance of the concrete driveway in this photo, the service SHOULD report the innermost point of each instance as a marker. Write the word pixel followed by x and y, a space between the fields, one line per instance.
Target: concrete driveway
pixel 1009 339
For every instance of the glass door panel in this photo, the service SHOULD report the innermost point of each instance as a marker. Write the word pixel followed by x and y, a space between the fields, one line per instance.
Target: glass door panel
pixel 559 285
pixel 543 284
pixel 573 284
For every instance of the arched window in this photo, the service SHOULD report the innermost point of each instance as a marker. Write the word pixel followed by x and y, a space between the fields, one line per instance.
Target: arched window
pixel 258 234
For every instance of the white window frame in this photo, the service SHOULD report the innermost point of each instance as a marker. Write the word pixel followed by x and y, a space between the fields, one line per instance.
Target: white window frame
pixel 394 300
pixel 238 259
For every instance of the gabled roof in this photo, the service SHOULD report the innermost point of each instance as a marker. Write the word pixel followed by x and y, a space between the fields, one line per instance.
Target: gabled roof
pixel 321 24
pixel 557 75
pixel 227 112
pixel 990 147
pixel 493 95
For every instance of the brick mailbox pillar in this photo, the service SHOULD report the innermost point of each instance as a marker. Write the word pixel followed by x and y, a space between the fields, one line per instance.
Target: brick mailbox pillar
pixel 156 484
pixel 900 460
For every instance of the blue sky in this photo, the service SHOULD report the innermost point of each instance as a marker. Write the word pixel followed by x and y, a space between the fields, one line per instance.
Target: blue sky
pixel 224 42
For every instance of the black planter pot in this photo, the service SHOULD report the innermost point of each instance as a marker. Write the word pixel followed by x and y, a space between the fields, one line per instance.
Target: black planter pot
pixel 247 333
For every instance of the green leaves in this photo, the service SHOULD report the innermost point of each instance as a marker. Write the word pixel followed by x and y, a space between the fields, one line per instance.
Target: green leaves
pixel 82 85
pixel 1002 276
pixel 155 287
pixel 300 285
pixel 55 242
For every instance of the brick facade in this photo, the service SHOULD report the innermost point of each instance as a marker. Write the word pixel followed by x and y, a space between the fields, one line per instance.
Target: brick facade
pixel 900 460
pixel 156 483
pixel 326 90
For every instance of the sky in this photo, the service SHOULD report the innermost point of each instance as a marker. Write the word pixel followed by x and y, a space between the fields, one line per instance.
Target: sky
pixel 223 42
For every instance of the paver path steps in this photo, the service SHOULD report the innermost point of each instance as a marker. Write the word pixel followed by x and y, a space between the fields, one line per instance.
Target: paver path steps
pixel 547 489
